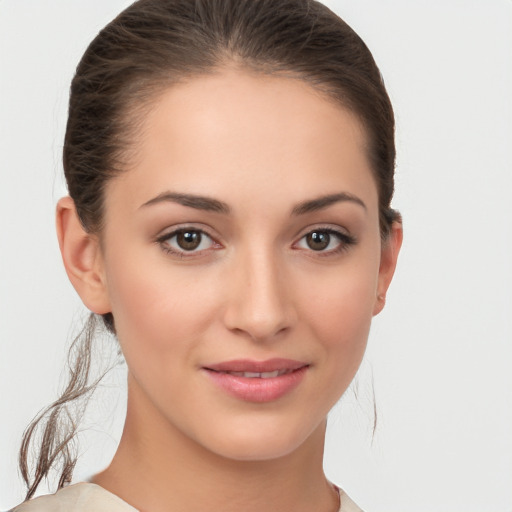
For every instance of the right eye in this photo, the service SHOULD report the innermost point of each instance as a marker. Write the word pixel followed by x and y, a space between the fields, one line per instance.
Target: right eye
pixel 186 241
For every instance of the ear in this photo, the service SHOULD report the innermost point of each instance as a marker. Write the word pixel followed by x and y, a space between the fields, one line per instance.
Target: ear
pixel 82 257
pixel 388 258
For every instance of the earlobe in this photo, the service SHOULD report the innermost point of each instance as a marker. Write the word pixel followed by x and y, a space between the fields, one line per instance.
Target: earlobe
pixel 81 254
pixel 389 256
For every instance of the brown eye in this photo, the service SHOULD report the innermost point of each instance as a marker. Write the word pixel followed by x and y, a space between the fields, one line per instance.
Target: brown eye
pixel 184 242
pixel 318 240
pixel 188 240
pixel 325 241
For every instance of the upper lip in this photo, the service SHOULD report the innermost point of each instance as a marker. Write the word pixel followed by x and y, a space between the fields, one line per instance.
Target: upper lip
pixel 248 365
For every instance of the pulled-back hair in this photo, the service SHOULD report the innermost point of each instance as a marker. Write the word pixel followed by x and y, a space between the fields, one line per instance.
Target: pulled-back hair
pixel 154 44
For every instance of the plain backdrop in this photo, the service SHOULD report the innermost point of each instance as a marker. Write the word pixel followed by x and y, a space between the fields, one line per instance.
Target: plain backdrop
pixel 440 355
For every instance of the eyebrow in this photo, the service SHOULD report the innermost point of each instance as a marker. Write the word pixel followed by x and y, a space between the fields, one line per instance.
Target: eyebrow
pixel 192 201
pixel 322 202
pixel 214 205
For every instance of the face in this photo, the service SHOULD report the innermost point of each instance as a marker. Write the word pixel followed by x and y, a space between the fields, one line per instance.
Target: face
pixel 241 257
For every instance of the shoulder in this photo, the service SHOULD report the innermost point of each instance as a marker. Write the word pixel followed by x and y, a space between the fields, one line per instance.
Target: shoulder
pixel 83 497
pixel 346 504
pixel 86 497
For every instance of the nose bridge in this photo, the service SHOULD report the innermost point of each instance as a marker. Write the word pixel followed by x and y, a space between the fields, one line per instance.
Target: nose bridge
pixel 259 304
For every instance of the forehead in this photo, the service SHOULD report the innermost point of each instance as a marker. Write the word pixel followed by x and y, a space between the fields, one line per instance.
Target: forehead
pixel 233 133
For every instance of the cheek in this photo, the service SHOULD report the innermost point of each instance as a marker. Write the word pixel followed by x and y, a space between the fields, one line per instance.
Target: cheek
pixel 339 313
pixel 342 324
pixel 155 307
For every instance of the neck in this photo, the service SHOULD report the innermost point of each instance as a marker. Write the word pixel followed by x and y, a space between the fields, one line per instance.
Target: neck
pixel 158 468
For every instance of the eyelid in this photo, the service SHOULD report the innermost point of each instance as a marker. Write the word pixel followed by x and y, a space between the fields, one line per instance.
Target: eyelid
pixel 334 228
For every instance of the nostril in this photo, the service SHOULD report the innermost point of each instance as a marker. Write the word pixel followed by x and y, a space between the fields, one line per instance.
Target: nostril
pixel 259 331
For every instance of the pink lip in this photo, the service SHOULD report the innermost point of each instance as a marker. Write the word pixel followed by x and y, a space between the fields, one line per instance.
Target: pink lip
pixel 256 389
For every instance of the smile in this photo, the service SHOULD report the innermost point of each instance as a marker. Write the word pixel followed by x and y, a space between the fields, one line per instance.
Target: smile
pixel 257 381
pixel 259 375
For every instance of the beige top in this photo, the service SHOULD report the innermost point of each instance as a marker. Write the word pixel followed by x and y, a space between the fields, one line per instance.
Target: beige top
pixel 85 497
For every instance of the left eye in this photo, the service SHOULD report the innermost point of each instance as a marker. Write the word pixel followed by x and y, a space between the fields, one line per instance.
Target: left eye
pixel 187 240
pixel 324 240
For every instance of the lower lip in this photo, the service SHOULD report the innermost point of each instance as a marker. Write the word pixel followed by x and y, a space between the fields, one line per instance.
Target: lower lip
pixel 257 389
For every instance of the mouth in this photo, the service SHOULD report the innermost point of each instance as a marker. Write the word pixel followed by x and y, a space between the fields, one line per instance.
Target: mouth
pixel 261 369
pixel 259 375
pixel 257 381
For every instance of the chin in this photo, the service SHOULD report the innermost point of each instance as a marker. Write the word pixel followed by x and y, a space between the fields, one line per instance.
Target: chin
pixel 262 441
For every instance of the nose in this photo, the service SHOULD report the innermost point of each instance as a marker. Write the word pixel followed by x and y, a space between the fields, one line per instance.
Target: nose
pixel 260 305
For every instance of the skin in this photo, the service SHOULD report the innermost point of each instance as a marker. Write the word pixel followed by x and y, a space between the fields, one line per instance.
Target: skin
pixel 253 290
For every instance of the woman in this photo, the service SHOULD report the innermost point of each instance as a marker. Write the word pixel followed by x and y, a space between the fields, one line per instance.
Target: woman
pixel 230 172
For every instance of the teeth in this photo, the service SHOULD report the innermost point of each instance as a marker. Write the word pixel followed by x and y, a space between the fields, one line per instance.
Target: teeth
pixel 268 375
pixel 262 375
pixel 252 375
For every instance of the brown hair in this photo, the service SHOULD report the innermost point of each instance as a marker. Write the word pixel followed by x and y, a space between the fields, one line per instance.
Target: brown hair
pixel 147 48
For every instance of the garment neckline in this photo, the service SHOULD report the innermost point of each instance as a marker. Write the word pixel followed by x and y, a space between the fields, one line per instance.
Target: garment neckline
pixel 98 488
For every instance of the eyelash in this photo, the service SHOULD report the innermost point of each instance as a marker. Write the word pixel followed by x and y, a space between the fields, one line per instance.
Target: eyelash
pixel 345 242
